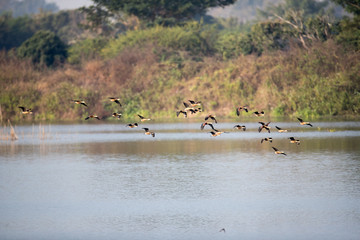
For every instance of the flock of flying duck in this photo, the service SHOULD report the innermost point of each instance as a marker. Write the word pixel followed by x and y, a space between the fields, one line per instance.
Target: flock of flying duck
pixel 193 107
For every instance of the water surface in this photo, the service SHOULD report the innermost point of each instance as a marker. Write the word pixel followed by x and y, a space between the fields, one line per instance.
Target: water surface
pixel 106 181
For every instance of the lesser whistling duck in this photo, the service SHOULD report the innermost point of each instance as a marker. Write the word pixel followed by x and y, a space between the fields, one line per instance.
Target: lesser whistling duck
pixel 241 108
pixel 259 114
pixel 187 106
pixel 81 102
pixel 143 119
pixel 266 140
pixel 115 100
pixel 25 111
pixel 181 111
pixel 304 123
pixel 147 132
pixel 92 116
pixel 207 123
pixel 280 130
pixel 216 133
pixel 240 127
pixel 211 117
pixel 277 151
pixel 117 115
pixel 293 140
pixel 132 125
pixel 194 103
pixel 264 126
pixel 195 110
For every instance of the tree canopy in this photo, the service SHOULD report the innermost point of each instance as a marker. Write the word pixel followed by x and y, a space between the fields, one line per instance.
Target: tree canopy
pixel 352 6
pixel 165 12
pixel 44 47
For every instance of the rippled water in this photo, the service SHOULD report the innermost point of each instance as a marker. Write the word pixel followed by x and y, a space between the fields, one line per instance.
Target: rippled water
pixel 106 181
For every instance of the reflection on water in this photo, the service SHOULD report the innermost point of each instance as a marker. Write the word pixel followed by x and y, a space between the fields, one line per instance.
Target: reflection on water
pixel 109 182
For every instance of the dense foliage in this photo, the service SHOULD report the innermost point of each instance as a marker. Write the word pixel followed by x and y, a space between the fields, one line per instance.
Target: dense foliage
pixel 165 12
pixel 44 48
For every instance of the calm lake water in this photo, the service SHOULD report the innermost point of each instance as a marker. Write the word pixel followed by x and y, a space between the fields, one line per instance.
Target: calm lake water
pixel 106 181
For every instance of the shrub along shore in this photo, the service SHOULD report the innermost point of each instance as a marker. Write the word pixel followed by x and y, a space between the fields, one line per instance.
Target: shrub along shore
pixel 154 79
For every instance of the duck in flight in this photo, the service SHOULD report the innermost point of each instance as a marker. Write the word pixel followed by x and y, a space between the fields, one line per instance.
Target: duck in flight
pixel 25 111
pixel 115 100
pixel 239 127
pixel 211 117
pixel 194 103
pixel 280 130
pixel 81 102
pixel 304 123
pixel 132 125
pixel 266 140
pixel 147 132
pixel 143 119
pixel 117 115
pixel 216 133
pixel 92 116
pixel 277 151
pixel 264 126
pixel 209 124
pixel 293 140
pixel 241 108
pixel 259 114
pixel 182 112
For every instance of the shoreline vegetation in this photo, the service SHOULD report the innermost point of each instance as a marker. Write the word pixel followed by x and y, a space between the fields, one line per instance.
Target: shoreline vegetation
pixel 321 81
pixel 267 65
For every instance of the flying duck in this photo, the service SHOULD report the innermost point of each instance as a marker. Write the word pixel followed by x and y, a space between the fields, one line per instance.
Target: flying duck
pixel 240 127
pixel 115 100
pixel 194 103
pixel 81 102
pixel 181 111
pixel 277 151
pixel 293 140
pixel 25 111
pixel 280 130
pixel 259 114
pixel 92 116
pixel 211 117
pixel 117 115
pixel 304 123
pixel 241 108
pixel 266 140
pixel 216 133
pixel 207 123
pixel 147 132
pixel 143 119
pixel 264 126
pixel 132 125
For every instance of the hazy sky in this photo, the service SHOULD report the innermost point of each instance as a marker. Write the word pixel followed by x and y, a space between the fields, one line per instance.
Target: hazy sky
pixel 70 4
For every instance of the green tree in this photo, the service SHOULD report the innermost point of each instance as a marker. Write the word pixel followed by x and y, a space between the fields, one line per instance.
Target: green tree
pixel 44 48
pixel 14 31
pixel 352 6
pixel 304 21
pixel 166 12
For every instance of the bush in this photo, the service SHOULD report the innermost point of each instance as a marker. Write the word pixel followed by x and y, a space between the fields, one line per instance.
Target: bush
pixel 187 38
pixel 87 49
pixel 44 48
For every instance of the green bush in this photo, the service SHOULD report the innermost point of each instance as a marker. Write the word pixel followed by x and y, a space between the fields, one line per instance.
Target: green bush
pixel 44 48
pixel 86 49
pixel 185 38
